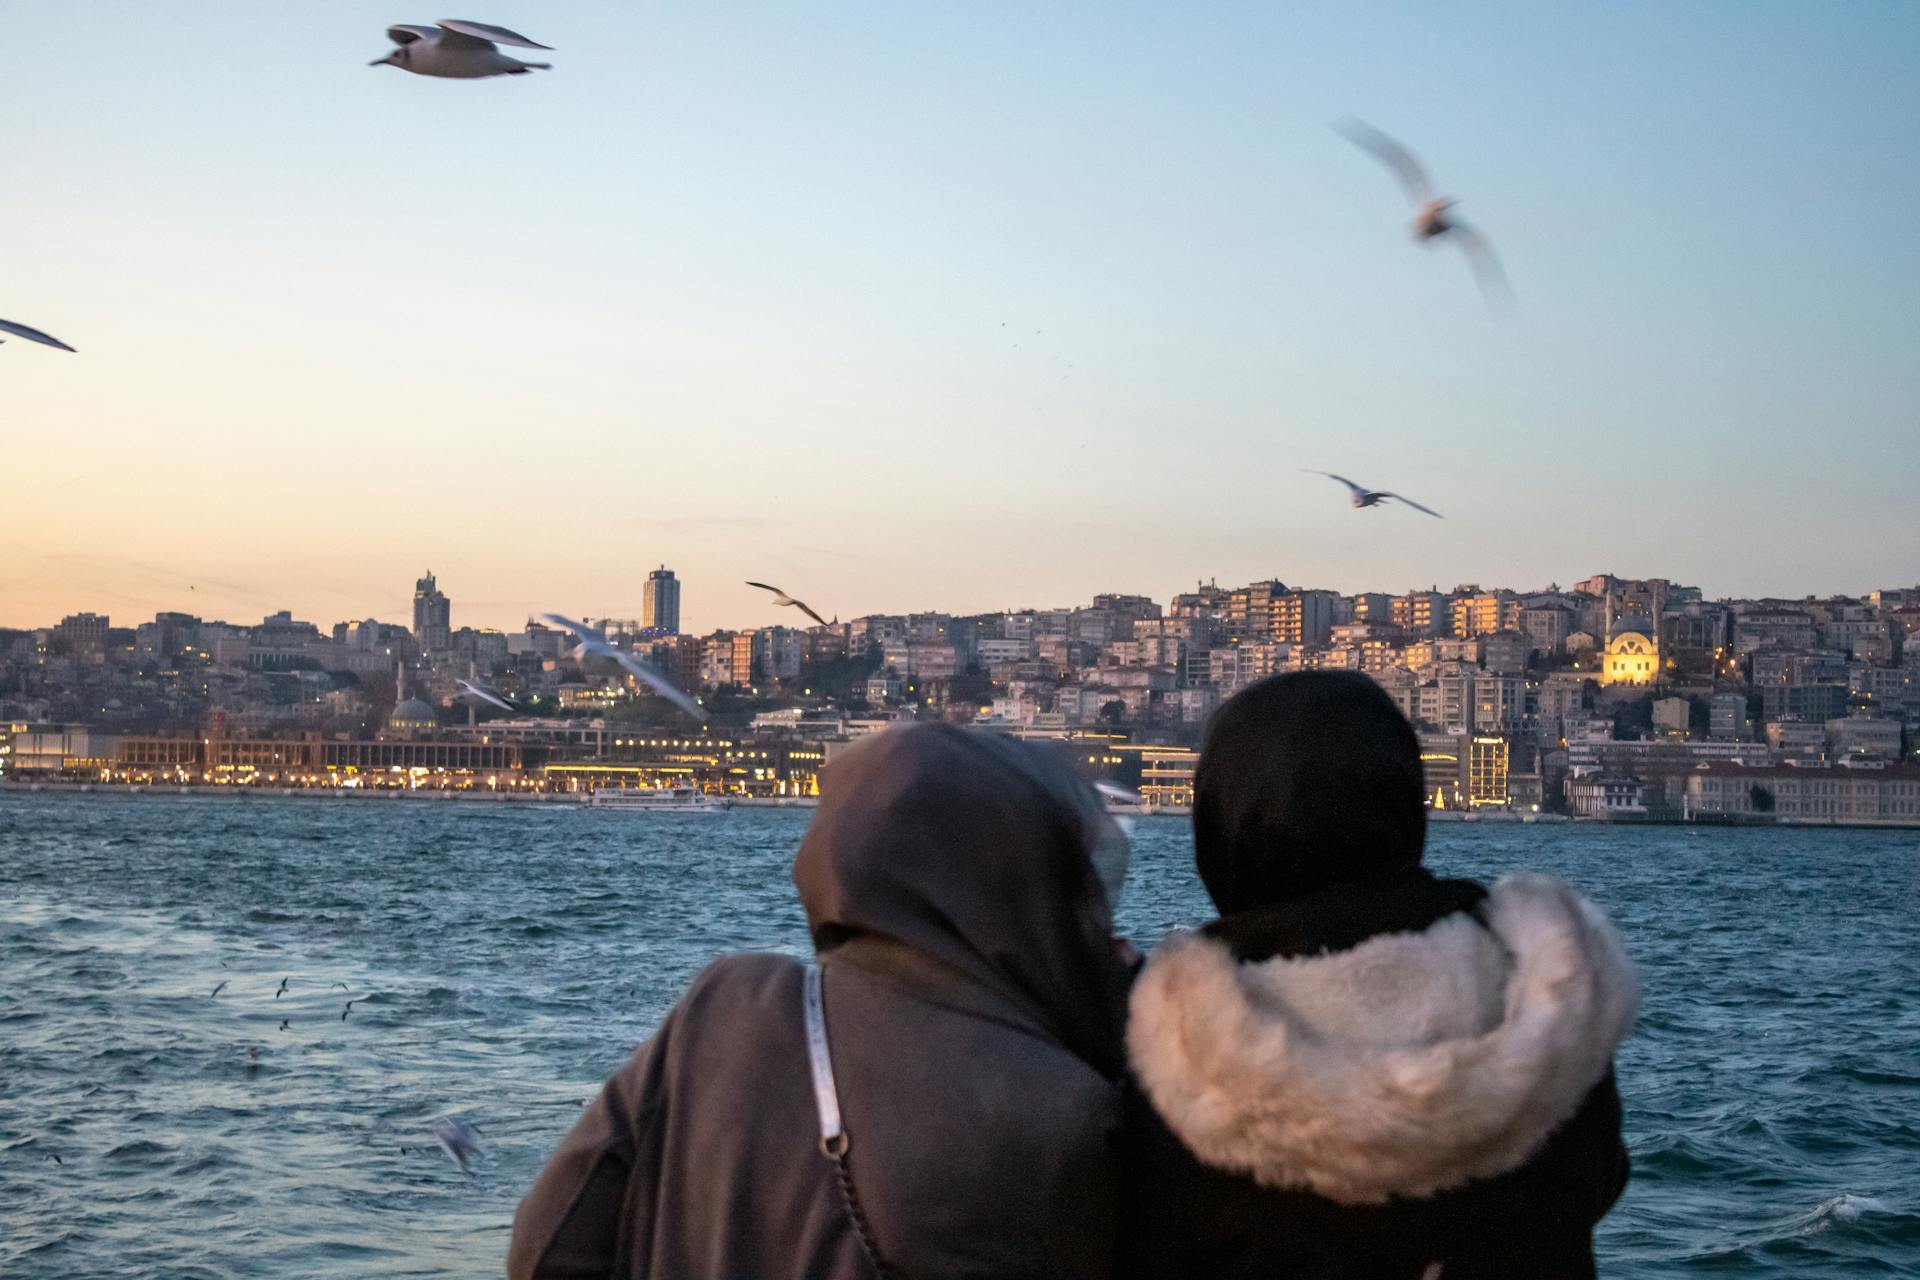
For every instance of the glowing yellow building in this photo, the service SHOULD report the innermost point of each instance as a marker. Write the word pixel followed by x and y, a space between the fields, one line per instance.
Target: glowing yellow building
pixel 1631 658
pixel 1487 765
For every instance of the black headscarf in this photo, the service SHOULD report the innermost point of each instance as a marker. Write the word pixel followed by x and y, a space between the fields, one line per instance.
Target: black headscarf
pixel 974 849
pixel 1306 780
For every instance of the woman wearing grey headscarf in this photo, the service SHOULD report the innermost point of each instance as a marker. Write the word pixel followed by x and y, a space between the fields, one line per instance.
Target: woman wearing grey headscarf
pixel 973 1003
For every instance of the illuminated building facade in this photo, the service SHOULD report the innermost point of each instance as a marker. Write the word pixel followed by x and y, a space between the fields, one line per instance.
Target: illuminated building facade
pixel 1632 657
pixel 1487 764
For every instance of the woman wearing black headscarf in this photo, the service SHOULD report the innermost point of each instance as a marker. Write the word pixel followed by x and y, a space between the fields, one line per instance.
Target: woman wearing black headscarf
pixel 1359 1069
pixel 956 886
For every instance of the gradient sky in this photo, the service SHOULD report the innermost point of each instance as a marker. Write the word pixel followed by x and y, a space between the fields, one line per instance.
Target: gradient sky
pixel 737 287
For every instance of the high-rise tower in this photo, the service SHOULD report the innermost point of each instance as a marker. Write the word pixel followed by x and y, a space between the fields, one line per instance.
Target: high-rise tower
pixel 432 615
pixel 660 608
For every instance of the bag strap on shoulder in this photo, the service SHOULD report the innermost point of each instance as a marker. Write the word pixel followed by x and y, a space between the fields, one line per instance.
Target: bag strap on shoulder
pixel 826 1100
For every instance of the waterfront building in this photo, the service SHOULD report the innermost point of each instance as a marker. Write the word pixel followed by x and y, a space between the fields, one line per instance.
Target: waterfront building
pixel 1607 795
pixel 1445 762
pixel 1807 796
pixel 1166 776
pixel 1488 762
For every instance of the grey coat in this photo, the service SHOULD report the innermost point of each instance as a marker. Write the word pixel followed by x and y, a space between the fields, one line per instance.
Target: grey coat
pixel 973 1004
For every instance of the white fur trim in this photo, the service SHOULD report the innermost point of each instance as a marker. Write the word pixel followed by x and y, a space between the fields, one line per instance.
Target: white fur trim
pixel 1409 1064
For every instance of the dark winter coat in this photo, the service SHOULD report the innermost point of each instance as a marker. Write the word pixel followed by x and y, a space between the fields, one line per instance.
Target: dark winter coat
pixel 974 1004
pixel 1361 1070
pixel 1437 1091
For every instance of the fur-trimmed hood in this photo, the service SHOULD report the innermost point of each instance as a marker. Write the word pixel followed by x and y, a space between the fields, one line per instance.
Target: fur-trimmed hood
pixel 1409 1064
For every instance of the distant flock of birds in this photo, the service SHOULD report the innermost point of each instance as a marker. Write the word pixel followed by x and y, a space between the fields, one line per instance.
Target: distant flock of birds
pixel 455 1136
pixel 461 49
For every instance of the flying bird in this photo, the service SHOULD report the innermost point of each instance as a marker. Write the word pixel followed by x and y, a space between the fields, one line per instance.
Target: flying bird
pixel 472 689
pixel 458 50
pixel 786 601
pixel 1365 497
pixel 283 988
pixel 25 331
pixel 589 642
pixel 1432 217
pixel 460 1140
pixel 344 1012
pixel 286 1024
pixel 217 990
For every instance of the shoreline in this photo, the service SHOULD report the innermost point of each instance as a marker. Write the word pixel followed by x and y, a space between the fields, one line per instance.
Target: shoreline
pixel 350 794
pixel 421 795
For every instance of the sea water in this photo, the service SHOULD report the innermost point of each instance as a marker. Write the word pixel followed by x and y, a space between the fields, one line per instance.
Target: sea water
pixel 504 959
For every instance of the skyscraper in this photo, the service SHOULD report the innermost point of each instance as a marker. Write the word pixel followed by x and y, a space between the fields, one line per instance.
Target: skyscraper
pixel 432 615
pixel 660 607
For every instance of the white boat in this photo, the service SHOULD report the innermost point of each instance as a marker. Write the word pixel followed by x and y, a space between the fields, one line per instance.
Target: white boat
pixel 659 800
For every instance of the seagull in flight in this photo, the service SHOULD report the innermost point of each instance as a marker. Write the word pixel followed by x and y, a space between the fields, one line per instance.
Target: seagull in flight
pixel 32 334
pixel 217 990
pixel 473 690
pixel 283 988
pixel 589 642
pixel 1432 217
pixel 782 598
pixel 1365 497
pixel 458 50
pixel 460 1140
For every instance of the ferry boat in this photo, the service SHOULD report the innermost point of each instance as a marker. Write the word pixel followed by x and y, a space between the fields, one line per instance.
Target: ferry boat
pixel 659 800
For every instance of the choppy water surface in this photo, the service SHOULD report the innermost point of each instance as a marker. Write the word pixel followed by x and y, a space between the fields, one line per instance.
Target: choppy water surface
pixel 504 960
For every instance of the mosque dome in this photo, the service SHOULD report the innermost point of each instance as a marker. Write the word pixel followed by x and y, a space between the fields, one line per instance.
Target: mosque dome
pixel 412 715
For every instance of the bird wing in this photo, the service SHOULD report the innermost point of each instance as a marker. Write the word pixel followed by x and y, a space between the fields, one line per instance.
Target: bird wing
pixel 1358 490
pixel 1413 178
pixel 25 331
pixel 1486 267
pixel 807 609
pixel 407 33
pixel 657 682
pixel 489 33
pixel 1410 502
pixel 580 629
pixel 764 587
pixel 486 695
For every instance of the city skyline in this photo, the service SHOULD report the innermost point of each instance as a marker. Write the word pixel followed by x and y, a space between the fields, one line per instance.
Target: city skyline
pixel 406 609
pixel 787 257
pixel 1615 698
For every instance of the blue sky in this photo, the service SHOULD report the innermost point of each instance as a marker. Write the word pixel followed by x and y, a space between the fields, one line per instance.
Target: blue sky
pixel 738 288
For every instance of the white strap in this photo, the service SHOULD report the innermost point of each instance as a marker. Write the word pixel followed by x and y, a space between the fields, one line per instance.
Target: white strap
pixel 825 1097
